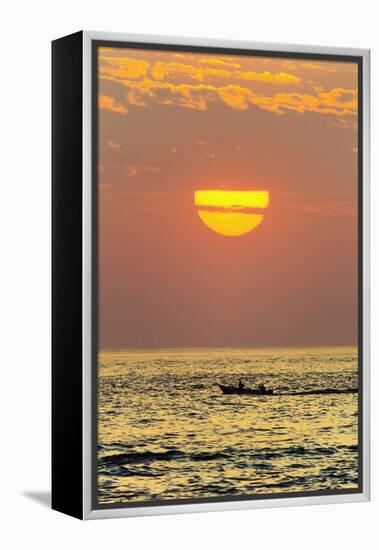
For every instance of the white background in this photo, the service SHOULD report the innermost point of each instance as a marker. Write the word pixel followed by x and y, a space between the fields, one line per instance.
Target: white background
pixel 27 29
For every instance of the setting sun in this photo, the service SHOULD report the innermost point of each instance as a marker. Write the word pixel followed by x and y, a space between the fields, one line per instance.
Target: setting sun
pixel 231 213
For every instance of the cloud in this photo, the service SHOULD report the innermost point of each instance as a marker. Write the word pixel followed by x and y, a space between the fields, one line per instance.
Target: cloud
pixel 196 86
pixel 338 101
pixel 324 67
pixel 109 103
pixel 235 96
pixel 184 95
pixel 334 102
pixel 219 61
pixel 162 70
pixel 135 98
pixel 290 65
pixel 123 67
pixel 137 169
pixel 113 144
pixel 340 98
pixel 266 76
pixel 136 69
pixel 350 123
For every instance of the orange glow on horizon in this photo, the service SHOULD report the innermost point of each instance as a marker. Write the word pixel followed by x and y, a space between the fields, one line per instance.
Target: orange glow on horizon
pixel 229 213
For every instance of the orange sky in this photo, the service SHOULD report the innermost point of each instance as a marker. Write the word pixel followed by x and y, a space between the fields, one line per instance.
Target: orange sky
pixel 171 123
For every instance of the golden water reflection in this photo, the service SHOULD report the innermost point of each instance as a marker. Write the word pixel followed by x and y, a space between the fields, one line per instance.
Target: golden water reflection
pixel 167 432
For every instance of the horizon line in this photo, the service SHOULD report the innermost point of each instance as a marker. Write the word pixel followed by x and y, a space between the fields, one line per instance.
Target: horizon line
pixel 228 347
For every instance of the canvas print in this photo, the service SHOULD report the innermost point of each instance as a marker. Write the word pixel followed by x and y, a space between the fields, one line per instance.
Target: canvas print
pixel 228 359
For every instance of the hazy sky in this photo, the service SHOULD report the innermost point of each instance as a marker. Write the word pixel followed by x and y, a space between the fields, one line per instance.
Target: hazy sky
pixel 172 123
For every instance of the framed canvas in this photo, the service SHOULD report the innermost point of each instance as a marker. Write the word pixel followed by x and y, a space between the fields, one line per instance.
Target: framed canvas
pixel 210 275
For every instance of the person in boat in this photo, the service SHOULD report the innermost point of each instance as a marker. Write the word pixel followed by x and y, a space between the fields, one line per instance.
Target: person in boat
pixel 241 385
pixel 262 388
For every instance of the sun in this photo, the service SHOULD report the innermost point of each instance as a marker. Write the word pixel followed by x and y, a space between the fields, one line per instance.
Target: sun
pixel 231 213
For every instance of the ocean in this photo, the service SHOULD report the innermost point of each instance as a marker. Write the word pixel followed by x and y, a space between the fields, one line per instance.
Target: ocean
pixel 166 431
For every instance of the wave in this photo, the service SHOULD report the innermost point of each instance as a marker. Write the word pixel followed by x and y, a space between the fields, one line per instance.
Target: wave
pixel 148 456
pixel 278 392
pixel 325 391
pixel 143 457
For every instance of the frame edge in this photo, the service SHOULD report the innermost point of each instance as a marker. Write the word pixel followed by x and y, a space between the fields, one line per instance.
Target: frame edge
pixel 364 495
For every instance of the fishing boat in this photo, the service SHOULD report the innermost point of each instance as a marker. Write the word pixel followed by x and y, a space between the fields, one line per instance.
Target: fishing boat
pixel 236 390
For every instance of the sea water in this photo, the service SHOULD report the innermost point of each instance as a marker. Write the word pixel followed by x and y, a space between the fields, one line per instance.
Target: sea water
pixel 166 431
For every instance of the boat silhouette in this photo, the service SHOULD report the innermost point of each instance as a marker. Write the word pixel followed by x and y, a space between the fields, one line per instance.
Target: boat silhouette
pixel 245 390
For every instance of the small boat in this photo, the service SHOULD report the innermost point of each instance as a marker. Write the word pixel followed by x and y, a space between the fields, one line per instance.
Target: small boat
pixel 236 390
